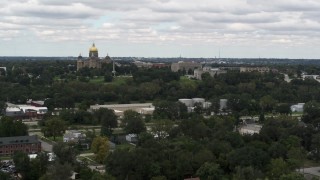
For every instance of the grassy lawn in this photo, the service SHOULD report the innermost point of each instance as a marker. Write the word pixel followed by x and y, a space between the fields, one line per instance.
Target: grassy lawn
pixel 98 80
pixel 58 139
pixel 116 80
pixel 118 131
pixel 5 158
pixel 120 80
pixel 88 159
pixel 187 83
pixel 125 146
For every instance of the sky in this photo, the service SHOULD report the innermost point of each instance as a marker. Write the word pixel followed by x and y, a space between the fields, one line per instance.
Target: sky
pixel 161 28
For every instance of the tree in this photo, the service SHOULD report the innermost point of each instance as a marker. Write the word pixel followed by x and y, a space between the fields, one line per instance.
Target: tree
pixel 169 110
pixel 161 128
pixel 210 171
pixel 108 77
pixel 65 153
pixel 149 90
pixel 292 176
pixel 296 157
pixel 277 168
pixel 54 127
pixel 267 103
pixel 4 176
pixel 100 147
pixel 107 119
pixel 244 173
pixel 315 146
pixel 58 171
pixel 198 108
pixel 2 107
pixel 40 164
pixel 120 162
pixel 10 127
pixel 22 163
pixel 283 108
pixel 133 122
pixel 311 113
pixel 248 156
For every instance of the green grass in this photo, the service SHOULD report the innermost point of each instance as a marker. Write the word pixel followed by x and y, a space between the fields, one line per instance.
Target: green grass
pixel 118 131
pixel 120 80
pixel 88 159
pixel 98 80
pixel 5 158
pixel 116 80
pixel 58 139
pixel 125 146
pixel 187 83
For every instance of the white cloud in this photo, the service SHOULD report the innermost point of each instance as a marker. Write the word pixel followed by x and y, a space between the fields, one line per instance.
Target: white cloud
pixel 273 24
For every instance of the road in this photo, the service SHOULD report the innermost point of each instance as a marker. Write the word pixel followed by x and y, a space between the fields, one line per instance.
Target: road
pixel 44 145
pixel 315 171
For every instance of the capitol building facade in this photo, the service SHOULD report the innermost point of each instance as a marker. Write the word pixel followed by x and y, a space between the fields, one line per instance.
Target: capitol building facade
pixel 93 61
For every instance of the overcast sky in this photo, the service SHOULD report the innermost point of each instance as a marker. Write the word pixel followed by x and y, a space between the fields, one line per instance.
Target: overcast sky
pixel 161 28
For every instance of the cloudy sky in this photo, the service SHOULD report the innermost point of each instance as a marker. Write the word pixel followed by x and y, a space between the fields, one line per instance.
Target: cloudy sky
pixel 161 28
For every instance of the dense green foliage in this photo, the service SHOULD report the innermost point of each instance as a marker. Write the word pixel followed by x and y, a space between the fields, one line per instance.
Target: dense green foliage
pixel 10 127
pixel 177 144
pixel 210 149
pixel 61 86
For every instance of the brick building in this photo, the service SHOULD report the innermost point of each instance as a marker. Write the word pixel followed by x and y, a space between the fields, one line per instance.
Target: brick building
pixel 27 144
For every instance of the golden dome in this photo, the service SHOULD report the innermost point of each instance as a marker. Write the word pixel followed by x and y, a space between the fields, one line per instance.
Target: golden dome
pixel 93 48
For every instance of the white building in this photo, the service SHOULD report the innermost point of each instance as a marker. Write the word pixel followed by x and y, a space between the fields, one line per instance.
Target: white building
pixel 212 71
pixel 73 136
pixel 223 104
pixel 255 69
pixel 132 138
pixel 297 107
pixel 250 129
pixel 25 110
pixel 39 110
pixel 142 108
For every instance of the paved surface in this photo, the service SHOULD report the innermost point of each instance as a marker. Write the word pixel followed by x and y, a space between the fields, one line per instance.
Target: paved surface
pixel 45 146
pixel 99 168
pixel 313 171
pixel 86 154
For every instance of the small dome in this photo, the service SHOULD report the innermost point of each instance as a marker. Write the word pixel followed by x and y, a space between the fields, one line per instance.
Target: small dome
pixel 107 57
pixel 93 48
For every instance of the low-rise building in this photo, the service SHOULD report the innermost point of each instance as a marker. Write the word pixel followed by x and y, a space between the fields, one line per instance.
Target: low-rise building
pixel 180 66
pixel 255 69
pixel 27 144
pixel 25 111
pixel 297 107
pixel 250 129
pixel 141 64
pixel 35 103
pixel 212 72
pixel 132 138
pixel 73 136
pixel 142 108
